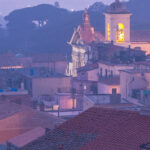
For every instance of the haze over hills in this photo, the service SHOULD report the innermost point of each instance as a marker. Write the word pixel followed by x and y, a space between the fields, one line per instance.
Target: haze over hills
pixel 45 28
pixel 6 6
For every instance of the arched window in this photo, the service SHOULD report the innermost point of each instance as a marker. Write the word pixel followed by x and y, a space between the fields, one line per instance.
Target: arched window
pixel 120 33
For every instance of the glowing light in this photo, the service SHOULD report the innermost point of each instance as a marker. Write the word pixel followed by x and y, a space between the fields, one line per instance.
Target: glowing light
pixel 12 67
pixel 55 107
pixel 120 33
pixel 85 87
pixel 75 103
pixel 108 32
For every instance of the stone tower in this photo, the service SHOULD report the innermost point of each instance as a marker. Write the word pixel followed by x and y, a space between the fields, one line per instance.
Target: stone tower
pixel 117 24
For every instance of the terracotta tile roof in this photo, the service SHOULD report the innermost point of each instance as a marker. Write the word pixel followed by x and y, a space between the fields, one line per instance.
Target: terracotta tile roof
pixel 123 130
pixel 114 130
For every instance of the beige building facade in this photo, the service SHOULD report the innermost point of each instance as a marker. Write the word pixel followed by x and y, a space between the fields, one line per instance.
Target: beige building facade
pixel 104 88
pixel 135 84
pixel 50 85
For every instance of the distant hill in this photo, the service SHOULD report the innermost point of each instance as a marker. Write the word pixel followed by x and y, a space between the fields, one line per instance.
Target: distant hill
pixel 43 28
pixel 46 28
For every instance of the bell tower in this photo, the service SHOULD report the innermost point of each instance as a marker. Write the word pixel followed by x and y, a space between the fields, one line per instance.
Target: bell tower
pixel 117 24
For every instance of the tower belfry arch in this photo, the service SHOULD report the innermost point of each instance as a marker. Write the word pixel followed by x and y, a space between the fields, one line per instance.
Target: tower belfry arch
pixel 117 24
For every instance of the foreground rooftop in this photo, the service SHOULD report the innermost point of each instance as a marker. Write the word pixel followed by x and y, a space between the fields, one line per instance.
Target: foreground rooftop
pixel 100 128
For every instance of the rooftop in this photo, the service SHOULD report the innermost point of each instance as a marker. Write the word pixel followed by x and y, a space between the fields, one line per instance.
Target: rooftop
pixel 136 71
pixel 116 54
pixel 117 8
pixel 104 128
pixel 88 67
pixel 113 63
pixel 27 137
pixel 16 119
pixel 39 72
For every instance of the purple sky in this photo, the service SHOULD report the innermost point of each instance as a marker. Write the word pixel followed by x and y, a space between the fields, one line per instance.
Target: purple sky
pixel 8 5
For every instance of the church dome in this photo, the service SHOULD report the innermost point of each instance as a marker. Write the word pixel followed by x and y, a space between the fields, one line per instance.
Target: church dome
pixel 117 8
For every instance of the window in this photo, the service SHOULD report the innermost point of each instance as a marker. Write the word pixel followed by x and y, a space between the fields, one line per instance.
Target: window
pixel 108 32
pixel 74 103
pixel 120 33
pixel 114 91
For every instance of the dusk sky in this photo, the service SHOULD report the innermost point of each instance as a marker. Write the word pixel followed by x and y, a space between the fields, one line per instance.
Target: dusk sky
pixel 7 6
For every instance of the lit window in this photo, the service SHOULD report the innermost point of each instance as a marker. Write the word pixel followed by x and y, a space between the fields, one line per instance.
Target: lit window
pixel 74 103
pixel 85 87
pixel 108 32
pixel 120 33
pixel 55 107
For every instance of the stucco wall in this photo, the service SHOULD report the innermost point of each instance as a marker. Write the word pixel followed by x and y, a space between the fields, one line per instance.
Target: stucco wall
pixel 42 86
pixel 130 81
pixel 93 75
pixel 59 67
pixel 107 89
